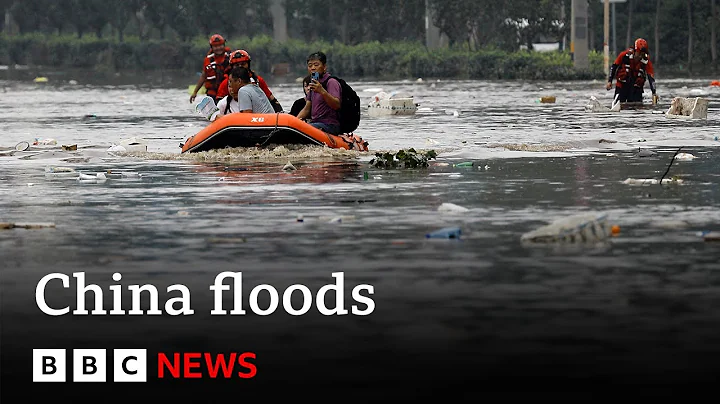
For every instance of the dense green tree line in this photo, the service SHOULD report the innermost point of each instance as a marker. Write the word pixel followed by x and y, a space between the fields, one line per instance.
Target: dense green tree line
pixel 680 32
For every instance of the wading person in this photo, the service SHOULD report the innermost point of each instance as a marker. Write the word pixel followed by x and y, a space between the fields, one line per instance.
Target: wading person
pixel 214 66
pixel 631 69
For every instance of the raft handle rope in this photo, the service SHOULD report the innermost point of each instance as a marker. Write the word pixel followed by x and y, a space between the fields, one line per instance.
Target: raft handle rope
pixel 669 165
pixel 274 131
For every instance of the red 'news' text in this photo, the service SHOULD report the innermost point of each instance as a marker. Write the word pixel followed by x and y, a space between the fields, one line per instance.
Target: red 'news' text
pixel 197 365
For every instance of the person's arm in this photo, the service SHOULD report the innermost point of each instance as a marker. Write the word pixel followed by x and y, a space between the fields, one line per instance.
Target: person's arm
pixel 199 84
pixel 614 68
pixel 305 112
pixel 650 70
pixel 332 94
pixel 271 97
pixel 275 104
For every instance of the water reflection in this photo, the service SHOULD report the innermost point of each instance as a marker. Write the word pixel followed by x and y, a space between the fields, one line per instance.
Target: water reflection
pixel 254 173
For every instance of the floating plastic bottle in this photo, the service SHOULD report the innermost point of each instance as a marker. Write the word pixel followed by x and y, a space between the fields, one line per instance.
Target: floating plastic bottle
pixel 53 172
pixel 447 232
pixel 44 142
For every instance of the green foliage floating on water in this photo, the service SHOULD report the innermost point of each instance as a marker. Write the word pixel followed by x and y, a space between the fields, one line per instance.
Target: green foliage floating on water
pixel 405 158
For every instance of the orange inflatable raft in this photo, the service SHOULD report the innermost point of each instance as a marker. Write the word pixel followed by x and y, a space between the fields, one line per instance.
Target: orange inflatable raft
pixel 257 130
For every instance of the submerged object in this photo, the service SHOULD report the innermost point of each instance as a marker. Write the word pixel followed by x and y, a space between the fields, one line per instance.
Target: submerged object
pixel 256 130
pixel 651 181
pixel 582 228
pixel 688 108
pixel 130 145
pixel 596 106
pixel 384 104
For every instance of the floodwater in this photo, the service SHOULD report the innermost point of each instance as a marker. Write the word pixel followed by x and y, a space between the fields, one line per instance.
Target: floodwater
pixel 185 218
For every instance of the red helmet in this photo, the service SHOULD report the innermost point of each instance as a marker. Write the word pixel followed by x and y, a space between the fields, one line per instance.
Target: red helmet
pixel 239 56
pixel 641 45
pixel 217 39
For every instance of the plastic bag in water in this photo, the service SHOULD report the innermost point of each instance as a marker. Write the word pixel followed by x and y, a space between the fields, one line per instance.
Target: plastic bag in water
pixel 583 228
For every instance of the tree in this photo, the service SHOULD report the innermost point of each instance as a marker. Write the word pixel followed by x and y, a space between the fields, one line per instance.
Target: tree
pixel 536 18
pixel 690 36
pixel 656 50
pixel 120 14
pixel 628 33
pixel 160 12
pixel 713 32
pixel 25 15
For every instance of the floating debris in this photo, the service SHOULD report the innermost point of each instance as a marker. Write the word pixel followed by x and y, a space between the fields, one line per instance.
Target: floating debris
pixel 452 208
pixel 684 156
pixel 405 158
pixel 447 232
pixel 44 142
pixel 588 227
pixel 688 108
pixel 6 226
pixel 336 219
pixel 652 181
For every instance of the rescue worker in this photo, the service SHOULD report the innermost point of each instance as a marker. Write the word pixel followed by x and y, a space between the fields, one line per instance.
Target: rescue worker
pixel 631 69
pixel 242 58
pixel 214 67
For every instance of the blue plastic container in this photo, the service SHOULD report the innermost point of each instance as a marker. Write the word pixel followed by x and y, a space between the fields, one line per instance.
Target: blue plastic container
pixel 447 232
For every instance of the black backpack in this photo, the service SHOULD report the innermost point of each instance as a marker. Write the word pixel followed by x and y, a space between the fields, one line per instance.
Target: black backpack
pixel 349 106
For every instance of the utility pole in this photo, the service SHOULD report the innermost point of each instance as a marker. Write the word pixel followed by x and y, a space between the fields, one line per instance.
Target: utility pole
pixel 606 40
pixel 579 34
pixel 614 34
pixel 563 46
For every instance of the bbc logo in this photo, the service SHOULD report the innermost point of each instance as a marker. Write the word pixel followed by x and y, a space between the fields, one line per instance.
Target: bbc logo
pixel 89 365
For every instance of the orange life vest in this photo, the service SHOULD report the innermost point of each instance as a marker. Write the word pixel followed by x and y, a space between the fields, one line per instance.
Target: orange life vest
pixel 215 67
pixel 632 71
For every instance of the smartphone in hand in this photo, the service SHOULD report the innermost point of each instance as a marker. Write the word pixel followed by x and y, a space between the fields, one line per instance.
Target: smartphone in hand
pixel 315 76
